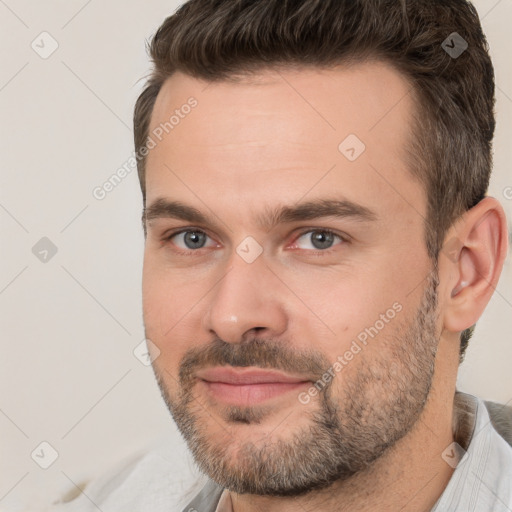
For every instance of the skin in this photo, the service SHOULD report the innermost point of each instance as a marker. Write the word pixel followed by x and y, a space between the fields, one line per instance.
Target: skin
pixel 272 141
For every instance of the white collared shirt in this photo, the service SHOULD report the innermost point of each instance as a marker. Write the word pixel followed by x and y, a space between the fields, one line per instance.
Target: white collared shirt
pixel 482 480
pixel 225 504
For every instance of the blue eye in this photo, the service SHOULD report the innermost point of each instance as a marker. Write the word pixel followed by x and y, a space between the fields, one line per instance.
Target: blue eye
pixel 319 239
pixel 191 240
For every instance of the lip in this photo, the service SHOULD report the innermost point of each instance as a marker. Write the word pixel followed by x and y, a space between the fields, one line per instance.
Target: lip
pixel 246 375
pixel 248 386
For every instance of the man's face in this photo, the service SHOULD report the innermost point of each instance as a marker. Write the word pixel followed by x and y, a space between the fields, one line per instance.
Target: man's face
pixel 287 286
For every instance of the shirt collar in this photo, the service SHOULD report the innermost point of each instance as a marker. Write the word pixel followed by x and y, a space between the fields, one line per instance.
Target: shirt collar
pixel 225 503
pixel 482 478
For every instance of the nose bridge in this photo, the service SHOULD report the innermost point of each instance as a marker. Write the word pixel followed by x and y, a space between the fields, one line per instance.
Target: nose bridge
pixel 242 300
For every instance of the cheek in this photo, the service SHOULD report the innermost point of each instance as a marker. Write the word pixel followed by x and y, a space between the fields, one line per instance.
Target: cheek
pixel 162 314
pixel 168 297
pixel 173 307
pixel 354 305
pixel 335 297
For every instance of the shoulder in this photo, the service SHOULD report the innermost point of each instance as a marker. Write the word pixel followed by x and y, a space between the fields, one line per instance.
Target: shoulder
pixel 501 419
pixel 157 478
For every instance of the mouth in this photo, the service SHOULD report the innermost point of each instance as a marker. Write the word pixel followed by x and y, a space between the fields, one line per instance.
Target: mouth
pixel 248 386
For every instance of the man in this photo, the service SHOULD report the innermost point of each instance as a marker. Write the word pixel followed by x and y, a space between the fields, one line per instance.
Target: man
pixel 319 246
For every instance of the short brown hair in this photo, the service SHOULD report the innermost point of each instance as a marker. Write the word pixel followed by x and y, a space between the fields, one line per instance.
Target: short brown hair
pixel 451 145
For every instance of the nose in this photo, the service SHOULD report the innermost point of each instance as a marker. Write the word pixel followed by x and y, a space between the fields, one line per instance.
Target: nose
pixel 246 301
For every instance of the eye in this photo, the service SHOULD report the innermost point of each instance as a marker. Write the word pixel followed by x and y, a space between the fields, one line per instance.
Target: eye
pixel 191 239
pixel 318 239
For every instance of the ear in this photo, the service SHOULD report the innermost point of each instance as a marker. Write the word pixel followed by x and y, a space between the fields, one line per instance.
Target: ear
pixel 471 262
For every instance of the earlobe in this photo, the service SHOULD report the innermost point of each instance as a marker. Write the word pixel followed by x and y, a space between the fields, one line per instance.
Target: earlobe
pixel 476 267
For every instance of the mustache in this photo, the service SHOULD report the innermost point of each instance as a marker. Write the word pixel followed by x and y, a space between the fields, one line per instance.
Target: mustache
pixel 269 354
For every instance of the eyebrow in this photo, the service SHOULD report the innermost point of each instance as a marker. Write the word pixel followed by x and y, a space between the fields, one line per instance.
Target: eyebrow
pixel 310 210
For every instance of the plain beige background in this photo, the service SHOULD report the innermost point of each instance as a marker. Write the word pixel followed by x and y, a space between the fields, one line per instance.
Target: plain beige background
pixel 70 324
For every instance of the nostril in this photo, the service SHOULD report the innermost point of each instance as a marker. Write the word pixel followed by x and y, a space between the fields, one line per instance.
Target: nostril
pixel 253 332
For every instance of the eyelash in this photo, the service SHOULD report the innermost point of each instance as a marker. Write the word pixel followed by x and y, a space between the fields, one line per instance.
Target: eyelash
pixel 344 238
pixel 325 231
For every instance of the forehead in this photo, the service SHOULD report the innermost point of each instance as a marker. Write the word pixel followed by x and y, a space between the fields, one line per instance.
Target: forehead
pixel 356 97
pixel 284 130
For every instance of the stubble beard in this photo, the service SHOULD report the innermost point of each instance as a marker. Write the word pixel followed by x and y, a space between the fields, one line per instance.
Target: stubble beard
pixel 343 435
